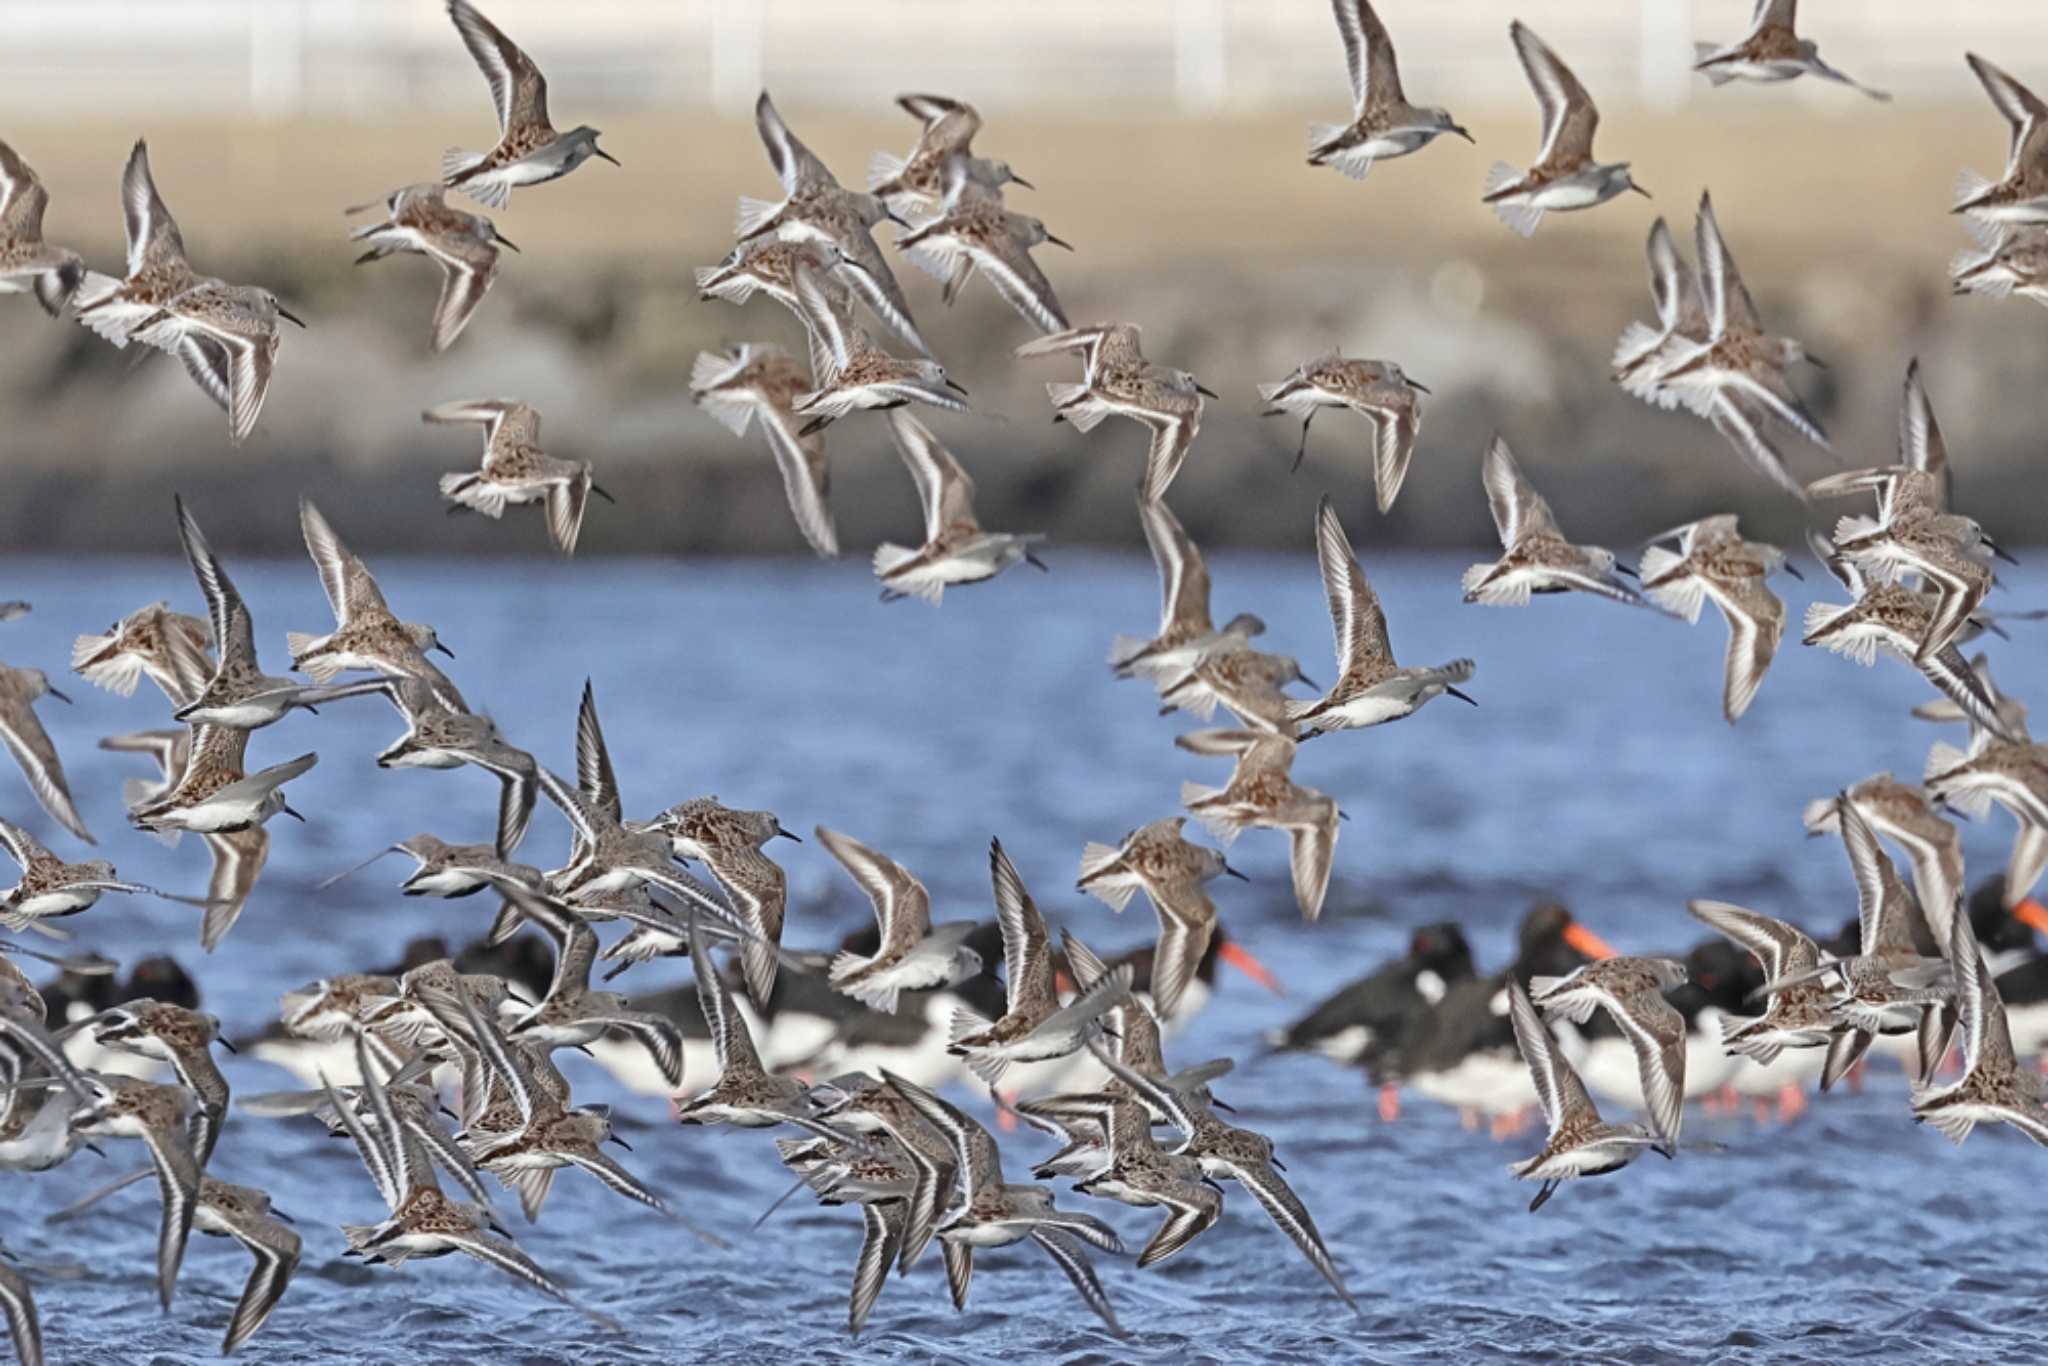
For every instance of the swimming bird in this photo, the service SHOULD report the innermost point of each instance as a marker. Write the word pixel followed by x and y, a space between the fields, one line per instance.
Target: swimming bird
pixel 1579 1143
pixel 918 181
pixel 123 1107
pixel 27 262
pixel 1643 353
pixel 529 150
pixel 1631 991
pixel 367 634
pixel 1361 1022
pixel 1994 1088
pixel 1539 559
pixel 1157 860
pixel 1770 52
pixel 956 551
pixel 1383 123
pixel 1735 375
pixel 1714 562
pixel 239 695
pixel 973 230
pixel 31 747
pixel 1372 689
pixel 516 470
pixel 2020 196
pixel 1186 634
pixel 1261 793
pixel 914 953
pixel 815 208
pixel 244 1214
pixel 756 381
pixel 1034 1026
pixel 849 371
pixel 1565 176
pixel 1376 390
pixel 465 246
pixel 992 1212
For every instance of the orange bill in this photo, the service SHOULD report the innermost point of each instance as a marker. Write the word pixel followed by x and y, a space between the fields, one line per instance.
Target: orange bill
pixel 1587 942
pixel 2032 914
pixel 1235 954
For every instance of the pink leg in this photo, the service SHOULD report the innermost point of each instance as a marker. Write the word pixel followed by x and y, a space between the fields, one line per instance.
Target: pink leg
pixel 1390 1103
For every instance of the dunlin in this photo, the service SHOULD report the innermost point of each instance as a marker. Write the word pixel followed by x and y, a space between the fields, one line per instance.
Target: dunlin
pixel 913 953
pixel 974 230
pixel 123 1107
pixel 24 1327
pixel 1157 860
pixel 1738 371
pixel 464 245
pixel 1631 991
pixel 1226 1152
pixel 729 843
pixel 157 269
pixel 956 551
pixel 1261 794
pixel 244 1214
pixel 992 1212
pixel 366 635
pixel 516 470
pixel 529 150
pixel 134 646
pixel 1565 176
pixel 239 695
pixel 1186 633
pixel 227 337
pixel 2011 261
pixel 1139 1172
pixel 1799 1015
pixel 1994 1087
pixel 168 1033
pixel 815 208
pixel 1249 683
pixel 2020 196
pixel 1034 1025
pixel 424 1222
pixel 1539 559
pixel 27 262
pixel 437 736
pixel 1579 1142
pixel 1771 51
pixel 1117 380
pixel 1713 561
pixel 756 381
pixel 852 373
pixel 31 747
pixel 1896 619
pixel 746 1093
pixel 1644 353
pixel 1376 390
pixel 1371 688
pixel 918 181
pixel 50 888
pixel 1383 123
pixel 1905 815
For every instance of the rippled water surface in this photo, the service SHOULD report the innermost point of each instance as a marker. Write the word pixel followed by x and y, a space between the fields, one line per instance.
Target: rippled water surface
pixel 1597 767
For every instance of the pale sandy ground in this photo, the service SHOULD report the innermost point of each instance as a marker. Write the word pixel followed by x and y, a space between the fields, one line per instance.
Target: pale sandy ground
pixel 1239 260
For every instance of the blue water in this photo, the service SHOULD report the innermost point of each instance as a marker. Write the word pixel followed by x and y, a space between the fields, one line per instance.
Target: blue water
pixel 1596 767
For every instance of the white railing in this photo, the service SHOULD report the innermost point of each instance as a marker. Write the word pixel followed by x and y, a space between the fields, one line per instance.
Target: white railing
pixel 353 58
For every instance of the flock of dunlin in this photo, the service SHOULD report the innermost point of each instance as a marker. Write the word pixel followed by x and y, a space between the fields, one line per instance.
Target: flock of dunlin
pixel 1061 1039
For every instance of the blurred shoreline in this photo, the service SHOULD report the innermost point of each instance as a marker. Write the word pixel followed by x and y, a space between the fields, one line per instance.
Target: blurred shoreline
pixel 1239 261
